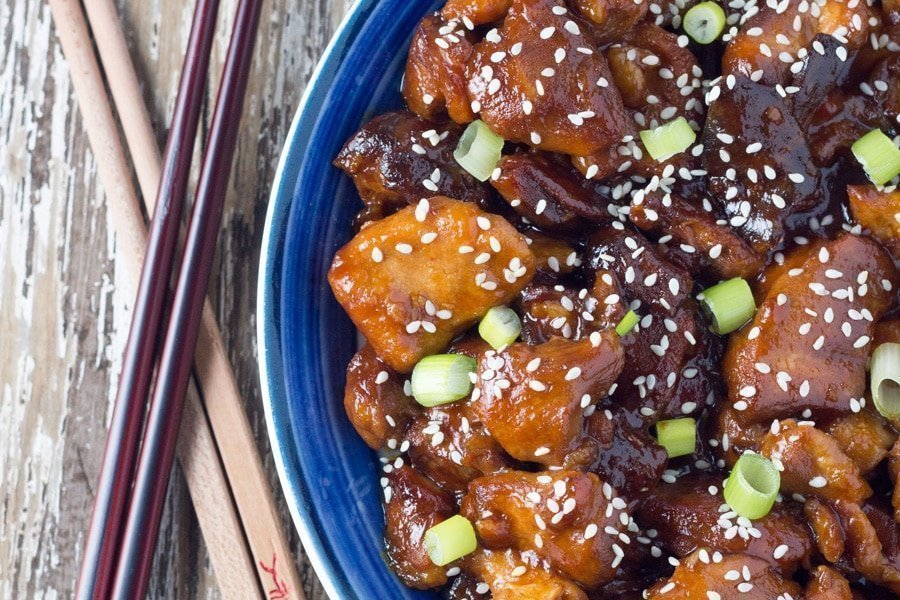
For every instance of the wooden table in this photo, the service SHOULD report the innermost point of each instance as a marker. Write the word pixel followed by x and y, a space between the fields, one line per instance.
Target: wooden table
pixel 64 325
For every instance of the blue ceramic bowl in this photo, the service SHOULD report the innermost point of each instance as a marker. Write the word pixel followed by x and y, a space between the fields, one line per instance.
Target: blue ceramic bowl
pixel 328 474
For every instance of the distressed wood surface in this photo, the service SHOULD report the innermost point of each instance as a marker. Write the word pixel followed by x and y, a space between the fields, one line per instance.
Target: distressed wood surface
pixel 62 323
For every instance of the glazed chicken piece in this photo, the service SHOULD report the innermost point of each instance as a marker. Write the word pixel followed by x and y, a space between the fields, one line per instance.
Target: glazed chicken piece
pixel 872 542
pixel 706 244
pixel 865 437
pixel 827 584
pixel 649 62
pixel 772 42
pixel 884 81
pixel 413 281
pixel 808 344
pixel 671 366
pixel 826 527
pixel 625 455
pixel 450 446
pixel 398 158
pixel 689 517
pixel 570 520
pixel 879 213
pixel 659 82
pixel 537 80
pixel 573 314
pixel 552 256
pixel 838 122
pixel 611 20
pixel 811 463
pixel 548 192
pixel 478 12
pixel 530 397
pixel 758 162
pixel 514 575
pixel 375 402
pixel 435 79
pixel 413 504
pixel 642 273
pixel 732 577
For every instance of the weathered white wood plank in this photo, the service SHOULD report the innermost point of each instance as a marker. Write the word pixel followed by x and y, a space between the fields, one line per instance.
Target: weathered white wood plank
pixel 64 325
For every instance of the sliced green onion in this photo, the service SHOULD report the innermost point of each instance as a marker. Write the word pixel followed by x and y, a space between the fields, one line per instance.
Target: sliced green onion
pixel 704 22
pixel 668 140
pixel 752 486
pixel 878 155
pixel 677 436
pixel 885 380
pixel 442 378
pixel 450 540
pixel 728 305
pixel 500 327
pixel 627 323
pixel 478 151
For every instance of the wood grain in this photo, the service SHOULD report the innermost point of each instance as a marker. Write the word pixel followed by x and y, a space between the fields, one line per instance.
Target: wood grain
pixel 64 324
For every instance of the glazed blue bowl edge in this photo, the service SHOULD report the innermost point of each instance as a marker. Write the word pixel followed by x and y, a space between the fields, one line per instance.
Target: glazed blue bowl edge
pixel 328 475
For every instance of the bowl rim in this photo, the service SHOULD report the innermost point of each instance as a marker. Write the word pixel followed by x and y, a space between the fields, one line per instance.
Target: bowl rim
pixel 280 199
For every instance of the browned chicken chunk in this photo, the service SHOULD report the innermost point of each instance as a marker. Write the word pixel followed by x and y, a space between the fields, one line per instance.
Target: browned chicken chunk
pixel 530 397
pixel 415 280
pixel 573 314
pixel 452 447
pixel 808 344
pixel 435 80
pixel 548 192
pixel 413 504
pixel 375 402
pixel 760 166
pixel 811 463
pixel 641 271
pixel 879 213
pixel 691 514
pixel 571 520
pixel 398 158
pixel 538 80
pixel 707 244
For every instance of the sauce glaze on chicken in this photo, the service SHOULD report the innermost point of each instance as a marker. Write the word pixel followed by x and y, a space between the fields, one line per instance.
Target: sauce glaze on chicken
pixel 552 457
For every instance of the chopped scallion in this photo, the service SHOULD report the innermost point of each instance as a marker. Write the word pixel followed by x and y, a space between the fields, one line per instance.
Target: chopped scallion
pixel 450 540
pixel 668 140
pixel 728 305
pixel 500 327
pixel 878 155
pixel 677 436
pixel 752 486
pixel 478 151
pixel 885 379
pixel 442 378
pixel 704 22
pixel 627 323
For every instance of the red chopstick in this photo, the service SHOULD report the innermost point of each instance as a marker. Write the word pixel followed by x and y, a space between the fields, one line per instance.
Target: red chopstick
pixel 176 361
pixel 116 474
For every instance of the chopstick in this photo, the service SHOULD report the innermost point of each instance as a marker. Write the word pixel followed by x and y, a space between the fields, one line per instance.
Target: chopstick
pixel 116 474
pixel 222 399
pixel 176 360
pixel 206 480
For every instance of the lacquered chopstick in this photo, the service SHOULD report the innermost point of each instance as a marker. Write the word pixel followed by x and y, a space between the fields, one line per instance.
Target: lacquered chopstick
pixel 222 528
pixel 158 448
pixel 116 475
pixel 231 430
